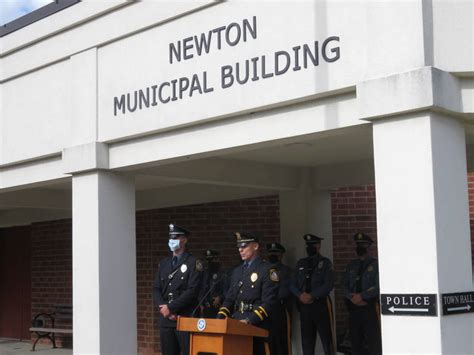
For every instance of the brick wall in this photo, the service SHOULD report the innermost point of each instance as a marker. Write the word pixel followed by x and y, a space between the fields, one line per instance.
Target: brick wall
pixel 51 267
pixel 212 226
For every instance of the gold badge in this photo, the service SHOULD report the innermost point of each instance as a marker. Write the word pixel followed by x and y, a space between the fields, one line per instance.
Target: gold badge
pixel 370 268
pixel 184 268
pixel 274 275
pixel 199 265
pixel 254 277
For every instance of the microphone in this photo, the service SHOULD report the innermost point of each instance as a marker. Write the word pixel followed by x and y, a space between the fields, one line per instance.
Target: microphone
pixel 206 294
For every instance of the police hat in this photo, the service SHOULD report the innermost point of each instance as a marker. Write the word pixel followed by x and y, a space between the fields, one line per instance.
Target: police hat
pixel 211 254
pixel 360 237
pixel 275 248
pixel 312 239
pixel 176 231
pixel 243 238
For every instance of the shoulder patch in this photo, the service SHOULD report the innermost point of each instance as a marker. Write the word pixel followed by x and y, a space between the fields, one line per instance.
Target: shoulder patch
pixel 274 275
pixel 199 265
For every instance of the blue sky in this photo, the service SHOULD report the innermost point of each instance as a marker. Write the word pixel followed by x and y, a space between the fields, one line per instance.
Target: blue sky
pixel 12 9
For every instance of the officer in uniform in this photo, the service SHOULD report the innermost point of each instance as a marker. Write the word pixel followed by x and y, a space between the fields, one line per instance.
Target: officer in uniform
pixel 253 290
pixel 175 291
pixel 214 285
pixel 312 282
pixel 280 332
pixel 361 290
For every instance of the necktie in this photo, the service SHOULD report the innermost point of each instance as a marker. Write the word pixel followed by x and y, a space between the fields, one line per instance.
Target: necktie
pixel 246 265
pixel 174 261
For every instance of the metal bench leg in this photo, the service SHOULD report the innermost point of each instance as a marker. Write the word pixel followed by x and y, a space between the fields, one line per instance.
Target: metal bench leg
pixel 36 341
pixel 54 341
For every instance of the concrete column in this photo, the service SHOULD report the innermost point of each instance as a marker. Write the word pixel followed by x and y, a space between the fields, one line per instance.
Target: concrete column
pixel 423 228
pixel 305 210
pixel 104 264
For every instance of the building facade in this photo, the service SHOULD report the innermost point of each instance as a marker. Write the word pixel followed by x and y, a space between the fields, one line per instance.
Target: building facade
pixel 119 116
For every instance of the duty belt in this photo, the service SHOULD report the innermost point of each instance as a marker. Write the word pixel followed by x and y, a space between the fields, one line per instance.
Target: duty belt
pixel 244 307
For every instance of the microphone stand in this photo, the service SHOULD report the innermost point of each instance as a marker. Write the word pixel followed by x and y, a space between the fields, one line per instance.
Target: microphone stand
pixel 205 296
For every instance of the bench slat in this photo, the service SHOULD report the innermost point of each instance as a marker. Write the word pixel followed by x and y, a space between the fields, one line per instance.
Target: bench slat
pixel 51 330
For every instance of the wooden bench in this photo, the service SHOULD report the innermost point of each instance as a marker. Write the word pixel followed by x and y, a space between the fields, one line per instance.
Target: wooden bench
pixel 45 324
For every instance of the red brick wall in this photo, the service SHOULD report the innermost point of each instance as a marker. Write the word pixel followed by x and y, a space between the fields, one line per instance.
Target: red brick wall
pixel 51 267
pixel 212 226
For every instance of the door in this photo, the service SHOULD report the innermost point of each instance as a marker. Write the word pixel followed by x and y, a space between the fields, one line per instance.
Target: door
pixel 15 282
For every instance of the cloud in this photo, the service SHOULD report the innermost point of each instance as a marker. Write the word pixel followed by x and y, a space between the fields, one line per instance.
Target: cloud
pixel 12 9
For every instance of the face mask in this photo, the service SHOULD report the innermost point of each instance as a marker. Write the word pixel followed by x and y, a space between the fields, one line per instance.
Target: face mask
pixel 213 266
pixel 273 259
pixel 310 250
pixel 173 244
pixel 361 251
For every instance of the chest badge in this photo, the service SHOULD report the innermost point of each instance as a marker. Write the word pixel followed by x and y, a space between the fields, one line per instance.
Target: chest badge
pixel 184 268
pixel 370 268
pixel 214 277
pixel 254 277
pixel 321 264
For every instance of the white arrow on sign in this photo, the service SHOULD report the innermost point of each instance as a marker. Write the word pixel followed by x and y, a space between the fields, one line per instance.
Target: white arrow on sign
pixel 467 308
pixel 393 309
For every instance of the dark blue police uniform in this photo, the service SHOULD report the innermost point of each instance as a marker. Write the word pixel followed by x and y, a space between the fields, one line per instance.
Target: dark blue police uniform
pixel 315 275
pixel 214 285
pixel 252 294
pixel 176 285
pixel 280 331
pixel 362 277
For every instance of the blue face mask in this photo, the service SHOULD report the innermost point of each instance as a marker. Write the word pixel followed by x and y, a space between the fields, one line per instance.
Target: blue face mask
pixel 173 244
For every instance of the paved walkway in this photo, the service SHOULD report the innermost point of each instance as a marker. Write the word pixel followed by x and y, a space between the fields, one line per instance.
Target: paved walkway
pixel 15 347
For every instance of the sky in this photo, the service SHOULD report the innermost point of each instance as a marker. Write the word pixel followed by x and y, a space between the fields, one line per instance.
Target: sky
pixel 12 9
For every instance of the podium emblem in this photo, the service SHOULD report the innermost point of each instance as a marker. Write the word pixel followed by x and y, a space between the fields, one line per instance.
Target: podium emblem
pixel 201 324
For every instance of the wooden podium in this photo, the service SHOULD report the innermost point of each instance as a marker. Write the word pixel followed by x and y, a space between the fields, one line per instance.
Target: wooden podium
pixel 219 336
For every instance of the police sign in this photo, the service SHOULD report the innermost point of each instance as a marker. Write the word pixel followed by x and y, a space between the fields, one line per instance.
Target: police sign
pixel 456 303
pixel 408 304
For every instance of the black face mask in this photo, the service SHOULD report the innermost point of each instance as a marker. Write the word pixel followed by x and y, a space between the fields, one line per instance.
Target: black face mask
pixel 213 266
pixel 273 259
pixel 311 250
pixel 361 251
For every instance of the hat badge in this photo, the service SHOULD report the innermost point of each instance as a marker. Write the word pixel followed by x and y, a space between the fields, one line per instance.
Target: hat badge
pixel 359 236
pixel 273 245
pixel 308 237
pixel 208 252
pixel 171 227
pixel 238 236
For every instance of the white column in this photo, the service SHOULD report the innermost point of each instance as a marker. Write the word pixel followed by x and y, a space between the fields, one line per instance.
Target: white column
pixel 423 228
pixel 104 264
pixel 305 210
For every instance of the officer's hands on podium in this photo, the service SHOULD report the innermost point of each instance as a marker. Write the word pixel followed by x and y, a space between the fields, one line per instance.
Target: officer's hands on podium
pixel 246 321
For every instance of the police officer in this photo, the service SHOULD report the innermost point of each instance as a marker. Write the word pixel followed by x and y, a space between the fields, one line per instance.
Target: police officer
pixel 175 291
pixel 312 283
pixel 214 285
pixel 361 290
pixel 280 331
pixel 253 289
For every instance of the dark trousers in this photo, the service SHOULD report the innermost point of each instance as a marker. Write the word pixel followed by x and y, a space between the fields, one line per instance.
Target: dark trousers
pixel 174 342
pixel 279 339
pixel 315 319
pixel 365 330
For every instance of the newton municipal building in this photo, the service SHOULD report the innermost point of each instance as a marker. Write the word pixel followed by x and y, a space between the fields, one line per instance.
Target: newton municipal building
pixel 283 118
